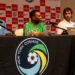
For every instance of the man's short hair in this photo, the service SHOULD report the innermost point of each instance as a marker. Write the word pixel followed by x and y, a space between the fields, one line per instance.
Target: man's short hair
pixel 67 9
pixel 32 13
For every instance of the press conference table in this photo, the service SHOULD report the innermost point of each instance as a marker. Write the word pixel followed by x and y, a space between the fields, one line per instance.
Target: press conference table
pixel 61 54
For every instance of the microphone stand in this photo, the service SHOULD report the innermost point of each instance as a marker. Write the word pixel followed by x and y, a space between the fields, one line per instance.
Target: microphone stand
pixel 55 25
pixel 7 29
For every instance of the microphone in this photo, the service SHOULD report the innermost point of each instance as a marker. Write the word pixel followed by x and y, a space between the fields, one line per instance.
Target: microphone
pixel 55 25
pixel 51 23
pixel 6 27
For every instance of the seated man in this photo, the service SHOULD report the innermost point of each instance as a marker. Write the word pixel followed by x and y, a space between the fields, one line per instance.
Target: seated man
pixel 66 22
pixel 3 31
pixel 34 27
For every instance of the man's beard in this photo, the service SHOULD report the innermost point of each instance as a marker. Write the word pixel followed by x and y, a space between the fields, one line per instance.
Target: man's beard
pixel 37 21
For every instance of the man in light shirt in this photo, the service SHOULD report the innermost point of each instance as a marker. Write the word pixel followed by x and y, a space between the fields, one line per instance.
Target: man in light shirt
pixel 66 22
pixel 3 31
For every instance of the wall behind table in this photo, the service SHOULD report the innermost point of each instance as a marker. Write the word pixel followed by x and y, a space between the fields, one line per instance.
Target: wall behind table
pixel 16 12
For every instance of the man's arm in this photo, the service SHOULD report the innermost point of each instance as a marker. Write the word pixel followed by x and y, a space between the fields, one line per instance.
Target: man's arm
pixel 25 30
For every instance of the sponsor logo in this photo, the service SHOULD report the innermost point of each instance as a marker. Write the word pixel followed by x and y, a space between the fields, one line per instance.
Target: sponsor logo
pixel 29 0
pixel 32 57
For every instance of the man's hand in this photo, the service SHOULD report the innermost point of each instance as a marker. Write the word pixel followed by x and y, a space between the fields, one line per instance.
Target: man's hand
pixel 46 33
pixel 35 33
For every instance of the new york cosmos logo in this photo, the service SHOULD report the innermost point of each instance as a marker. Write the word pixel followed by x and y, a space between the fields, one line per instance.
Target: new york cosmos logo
pixel 32 57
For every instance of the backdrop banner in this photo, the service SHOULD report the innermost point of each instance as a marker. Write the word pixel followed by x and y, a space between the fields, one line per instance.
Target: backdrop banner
pixel 16 12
